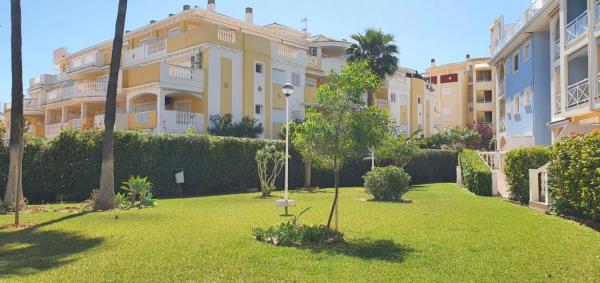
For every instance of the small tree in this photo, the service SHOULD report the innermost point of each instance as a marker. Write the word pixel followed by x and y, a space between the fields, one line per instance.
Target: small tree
pixel 454 137
pixel 304 147
pixel 340 127
pixel 270 162
pixel 223 125
pixel 400 150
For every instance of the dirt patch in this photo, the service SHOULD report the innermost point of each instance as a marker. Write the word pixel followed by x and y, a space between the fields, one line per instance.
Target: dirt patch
pixel 12 226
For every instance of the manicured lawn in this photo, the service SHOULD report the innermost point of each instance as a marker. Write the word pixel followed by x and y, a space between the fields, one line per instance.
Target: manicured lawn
pixel 446 234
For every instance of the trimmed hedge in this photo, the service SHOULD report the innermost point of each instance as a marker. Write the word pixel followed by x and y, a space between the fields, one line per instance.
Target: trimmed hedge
pixel 428 166
pixel 387 183
pixel 476 176
pixel 575 177
pixel 516 167
pixel 68 167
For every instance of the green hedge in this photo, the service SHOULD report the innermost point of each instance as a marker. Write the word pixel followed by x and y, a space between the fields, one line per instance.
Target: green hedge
pixel 68 167
pixel 387 183
pixel 476 175
pixel 428 166
pixel 516 167
pixel 575 177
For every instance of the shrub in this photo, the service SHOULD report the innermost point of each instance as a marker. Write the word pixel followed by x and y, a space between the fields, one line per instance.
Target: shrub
pixel 137 186
pixel 476 175
pixel 575 177
pixel 398 150
pixel 516 167
pixel 454 137
pixel 294 234
pixel 387 183
pixel 270 161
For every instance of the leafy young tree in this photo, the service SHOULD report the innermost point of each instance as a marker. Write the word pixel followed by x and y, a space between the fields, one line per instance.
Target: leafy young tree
pixel 304 147
pixel 400 150
pixel 340 127
pixel 224 126
pixel 454 137
pixel 270 162
pixel 378 50
pixel 14 184
pixel 106 195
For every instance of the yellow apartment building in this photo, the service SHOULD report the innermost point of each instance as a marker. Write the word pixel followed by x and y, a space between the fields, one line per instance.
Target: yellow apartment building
pixel 462 93
pixel 178 71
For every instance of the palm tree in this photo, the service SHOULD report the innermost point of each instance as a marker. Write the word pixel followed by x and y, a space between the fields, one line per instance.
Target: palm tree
pixel 14 186
pixel 106 195
pixel 378 50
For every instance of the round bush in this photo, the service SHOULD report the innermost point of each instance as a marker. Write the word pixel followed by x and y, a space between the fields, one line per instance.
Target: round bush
pixel 387 183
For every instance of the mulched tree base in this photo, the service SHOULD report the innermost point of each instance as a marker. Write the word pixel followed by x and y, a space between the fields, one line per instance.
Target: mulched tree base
pixel 12 226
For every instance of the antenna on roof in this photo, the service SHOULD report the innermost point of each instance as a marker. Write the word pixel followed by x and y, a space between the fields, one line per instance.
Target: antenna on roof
pixel 305 21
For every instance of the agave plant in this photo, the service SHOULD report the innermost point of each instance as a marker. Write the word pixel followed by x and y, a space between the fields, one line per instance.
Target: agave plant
pixel 135 186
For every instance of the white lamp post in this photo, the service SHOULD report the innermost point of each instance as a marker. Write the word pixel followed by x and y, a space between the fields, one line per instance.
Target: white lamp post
pixel 287 90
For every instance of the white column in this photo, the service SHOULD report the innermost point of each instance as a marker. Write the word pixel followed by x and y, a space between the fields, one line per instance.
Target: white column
pixel 563 59
pixel 160 108
pixel 592 51
pixel 83 116
pixel 64 115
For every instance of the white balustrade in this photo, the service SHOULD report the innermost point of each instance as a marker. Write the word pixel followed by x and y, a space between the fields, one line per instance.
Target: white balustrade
pixel 558 103
pixel 577 27
pixel 226 36
pixel 492 159
pixel 578 93
pixel 502 124
pixel 93 88
pixel 181 72
pixel 180 122
pixel 152 49
pixel 312 61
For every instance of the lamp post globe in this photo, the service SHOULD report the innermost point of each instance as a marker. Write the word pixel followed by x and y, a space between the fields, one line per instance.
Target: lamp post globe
pixel 288 89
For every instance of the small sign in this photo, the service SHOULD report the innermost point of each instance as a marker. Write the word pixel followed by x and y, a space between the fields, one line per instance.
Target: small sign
pixel 179 177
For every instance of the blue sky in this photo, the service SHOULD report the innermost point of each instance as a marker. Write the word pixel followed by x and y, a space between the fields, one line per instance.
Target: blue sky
pixel 424 29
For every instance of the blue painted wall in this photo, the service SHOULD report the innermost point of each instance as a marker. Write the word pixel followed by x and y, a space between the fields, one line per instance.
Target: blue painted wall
pixel 533 74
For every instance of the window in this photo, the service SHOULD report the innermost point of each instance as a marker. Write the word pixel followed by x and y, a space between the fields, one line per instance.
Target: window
pixel 313 51
pixel 258 109
pixel 487 96
pixel 310 83
pixel 516 62
pixel 174 32
pixel 484 76
pixel 516 104
pixel 487 117
pixel 419 100
pixel 393 97
pixel 526 51
pixel 258 67
pixel 278 76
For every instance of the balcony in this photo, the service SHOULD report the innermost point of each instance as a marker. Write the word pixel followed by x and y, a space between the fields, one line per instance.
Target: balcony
pixel 558 103
pixel 335 64
pixel 557 49
pixel 533 10
pixel 180 122
pixel 182 77
pixel 578 93
pixel 77 90
pixel 29 104
pixel 312 62
pixel 142 120
pixel 153 49
pixel 502 124
pixel 120 121
pixel 577 27
pixel 92 59
pixel 53 129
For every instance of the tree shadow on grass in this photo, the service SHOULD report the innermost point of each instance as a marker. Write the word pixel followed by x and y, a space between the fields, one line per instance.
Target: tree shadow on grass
pixel 386 250
pixel 30 250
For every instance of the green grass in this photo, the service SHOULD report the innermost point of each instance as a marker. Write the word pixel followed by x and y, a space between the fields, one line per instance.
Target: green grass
pixel 446 234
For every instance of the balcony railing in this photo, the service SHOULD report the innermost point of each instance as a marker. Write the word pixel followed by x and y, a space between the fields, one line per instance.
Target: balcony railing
pixel 151 50
pixel 578 93
pixel 53 129
pixel 93 88
pixel 506 35
pixel 558 103
pixel 502 124
pixel 312 61
pixel 94 58
pixel 181 77
pixel 557 49
pixel 181 72
pixel 179 122
pixel 577 27
pixel 30 104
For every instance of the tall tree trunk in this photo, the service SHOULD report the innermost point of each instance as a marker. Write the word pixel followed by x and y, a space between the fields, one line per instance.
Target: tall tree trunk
pixel 106 195
pixel 334 206
pixel 307 172
pixel 14 188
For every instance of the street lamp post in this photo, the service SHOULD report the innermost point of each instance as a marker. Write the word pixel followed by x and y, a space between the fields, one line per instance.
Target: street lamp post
pixel 287 90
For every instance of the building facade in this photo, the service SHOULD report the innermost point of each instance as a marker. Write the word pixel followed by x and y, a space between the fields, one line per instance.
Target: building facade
pixel 462 94
pixel 548 72
pixel 177 72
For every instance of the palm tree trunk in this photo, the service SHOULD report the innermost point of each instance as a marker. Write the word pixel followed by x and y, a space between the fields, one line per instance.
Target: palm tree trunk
pixel 14 189
pixel 334 206
pixel 307 172
pixel 106 194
